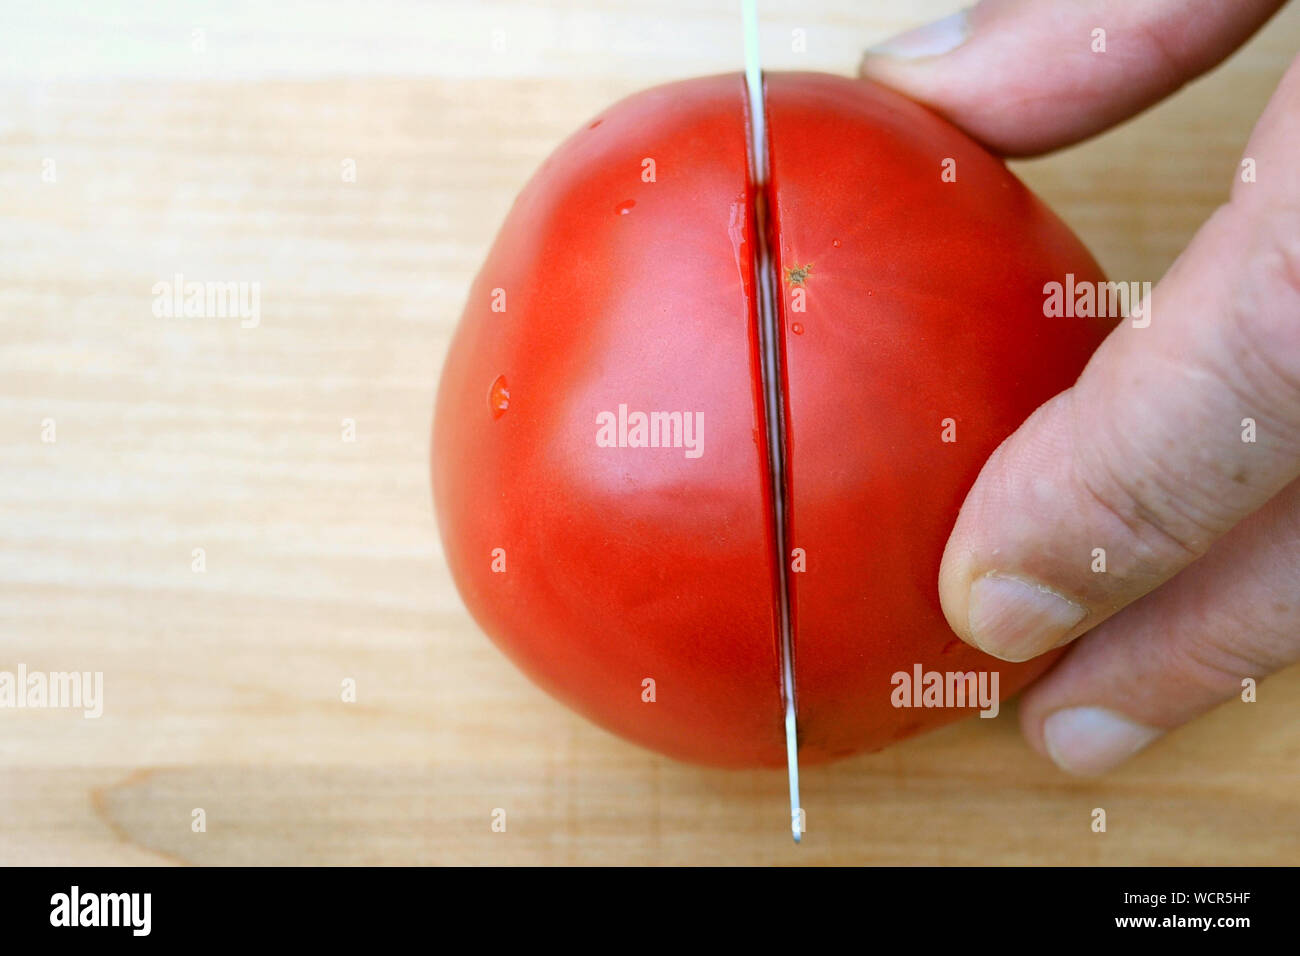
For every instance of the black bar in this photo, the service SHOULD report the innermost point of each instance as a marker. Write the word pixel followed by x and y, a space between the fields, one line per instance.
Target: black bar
pixel 334 906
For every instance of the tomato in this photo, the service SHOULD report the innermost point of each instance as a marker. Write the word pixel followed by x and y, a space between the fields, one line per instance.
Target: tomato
pixel 600 456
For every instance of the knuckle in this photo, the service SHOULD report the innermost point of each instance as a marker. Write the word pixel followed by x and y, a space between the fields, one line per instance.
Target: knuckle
pixel 1213 662
pixel 1169 59
pixel 1129 502
pixel 1165 528
pixel 1264 344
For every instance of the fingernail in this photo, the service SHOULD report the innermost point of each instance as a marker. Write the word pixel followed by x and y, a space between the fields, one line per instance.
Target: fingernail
pixel 1092 740
pixel 932 39
pixel 1015 619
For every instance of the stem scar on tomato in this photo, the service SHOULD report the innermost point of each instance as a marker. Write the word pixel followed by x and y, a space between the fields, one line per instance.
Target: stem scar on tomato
pixel 795 275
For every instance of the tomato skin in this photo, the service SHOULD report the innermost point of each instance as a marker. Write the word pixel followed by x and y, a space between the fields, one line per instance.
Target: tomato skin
pixel 628 564
pixel 623 564
pixel 924 302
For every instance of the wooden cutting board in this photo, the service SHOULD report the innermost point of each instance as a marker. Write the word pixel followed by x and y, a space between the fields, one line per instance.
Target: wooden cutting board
pixel 216 146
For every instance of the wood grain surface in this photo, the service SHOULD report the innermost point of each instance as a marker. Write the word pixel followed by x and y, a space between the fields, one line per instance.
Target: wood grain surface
pixel 210 140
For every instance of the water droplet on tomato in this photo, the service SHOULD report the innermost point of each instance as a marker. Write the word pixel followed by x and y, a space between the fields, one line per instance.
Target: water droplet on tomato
pixel 499 396
pixel 625 207
pixel 835 243
pixel 797 329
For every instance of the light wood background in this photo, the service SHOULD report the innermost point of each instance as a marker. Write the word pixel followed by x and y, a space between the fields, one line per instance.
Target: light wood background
pixel 218 154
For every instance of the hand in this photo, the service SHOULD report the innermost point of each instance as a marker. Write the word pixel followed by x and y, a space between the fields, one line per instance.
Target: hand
pixel 1149 455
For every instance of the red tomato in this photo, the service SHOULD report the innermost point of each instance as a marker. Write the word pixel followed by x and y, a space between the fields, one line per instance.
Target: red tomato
pixel 602 569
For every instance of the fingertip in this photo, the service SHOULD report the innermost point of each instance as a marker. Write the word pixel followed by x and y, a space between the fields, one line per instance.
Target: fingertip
pixel 1031 721
pixel 930 40
pixel 1088 741
pixel 954 591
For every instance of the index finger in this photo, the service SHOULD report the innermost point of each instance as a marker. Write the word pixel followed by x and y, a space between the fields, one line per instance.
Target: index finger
pixel 1028 76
